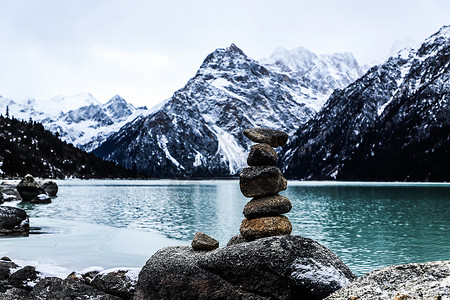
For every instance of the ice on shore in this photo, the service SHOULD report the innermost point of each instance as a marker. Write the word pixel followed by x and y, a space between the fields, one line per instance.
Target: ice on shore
pixel 58 247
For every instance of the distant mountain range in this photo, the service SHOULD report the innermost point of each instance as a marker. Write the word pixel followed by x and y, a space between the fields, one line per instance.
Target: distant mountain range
pixel 80 120
pixel 198 132
pixel 391 124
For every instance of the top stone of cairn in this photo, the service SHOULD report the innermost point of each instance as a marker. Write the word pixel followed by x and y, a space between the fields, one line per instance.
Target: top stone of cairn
pixel 274 138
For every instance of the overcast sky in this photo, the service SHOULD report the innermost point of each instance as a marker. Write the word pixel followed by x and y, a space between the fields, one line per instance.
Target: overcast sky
pixel 146 50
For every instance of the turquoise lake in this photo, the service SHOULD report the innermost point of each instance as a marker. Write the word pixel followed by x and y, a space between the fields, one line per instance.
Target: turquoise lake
pixel 368 225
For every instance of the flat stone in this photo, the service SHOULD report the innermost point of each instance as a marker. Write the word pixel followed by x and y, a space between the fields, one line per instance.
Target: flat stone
pixel 203 241
pixel 261 181
pixel 41 199
pixel 262 155
pixel 429 280
pixel 252 229
pixel 29 189
pixel 274 138
pixel 267 206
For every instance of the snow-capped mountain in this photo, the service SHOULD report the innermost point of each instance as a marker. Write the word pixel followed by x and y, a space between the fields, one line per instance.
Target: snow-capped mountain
pixel 391 124
pixel 198 131
pixel 324 73
pixel 80 120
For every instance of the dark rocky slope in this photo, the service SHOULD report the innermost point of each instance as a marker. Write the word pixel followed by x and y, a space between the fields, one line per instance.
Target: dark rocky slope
pixel 391 124
pixel 26 147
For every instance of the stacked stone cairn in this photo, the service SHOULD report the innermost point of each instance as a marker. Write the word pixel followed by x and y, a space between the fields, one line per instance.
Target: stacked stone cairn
pixel 262 181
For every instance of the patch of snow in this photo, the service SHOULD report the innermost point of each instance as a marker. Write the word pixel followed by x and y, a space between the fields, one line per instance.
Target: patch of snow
pixel 230 150
pixel 162 143
pixel 131 273
pixel 309 269
pixel 199 158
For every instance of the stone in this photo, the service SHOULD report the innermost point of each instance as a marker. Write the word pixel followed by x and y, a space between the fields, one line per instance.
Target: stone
pixel 202 241
pixel 282 267
pixel 237 239
pixel 50 187
pixel 41 199
pixel 262 155
pixel 9 192
pixel 267 206
pixel 252 229
pixel 117 282
pixel 5 269
pixel 261 181
pixel 274 138
pixel 56 288
pixel 29 189
pixel 429 280
pixel 24 278
pixel 13 220
pixel 5 258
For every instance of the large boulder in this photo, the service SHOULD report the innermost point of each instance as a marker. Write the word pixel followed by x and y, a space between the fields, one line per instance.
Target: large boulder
pixel 29 189
pixel 412 281
pixel 281 267
pixel 13 220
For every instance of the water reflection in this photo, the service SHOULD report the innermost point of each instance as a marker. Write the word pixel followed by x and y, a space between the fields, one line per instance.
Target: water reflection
pixel 368 226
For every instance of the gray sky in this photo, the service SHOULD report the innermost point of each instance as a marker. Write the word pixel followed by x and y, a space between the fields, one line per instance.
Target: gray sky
pixel 146 50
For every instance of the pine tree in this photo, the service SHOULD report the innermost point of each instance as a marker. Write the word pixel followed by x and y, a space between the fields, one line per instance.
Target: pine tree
pixel 7 111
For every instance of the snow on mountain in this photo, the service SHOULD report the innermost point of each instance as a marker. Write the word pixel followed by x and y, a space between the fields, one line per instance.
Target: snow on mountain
pixel 391 124
pixel 324 73
pixel 198 131
pixel 80 120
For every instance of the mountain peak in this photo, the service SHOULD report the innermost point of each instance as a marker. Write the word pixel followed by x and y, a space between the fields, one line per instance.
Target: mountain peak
pixel 234 48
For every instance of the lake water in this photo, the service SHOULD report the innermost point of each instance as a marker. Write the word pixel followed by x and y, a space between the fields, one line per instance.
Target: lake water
pixel 368 225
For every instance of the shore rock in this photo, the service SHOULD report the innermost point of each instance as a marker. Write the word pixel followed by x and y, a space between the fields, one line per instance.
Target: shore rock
pixel 274 138
pixel 56 288
pixel 202 241
pixel 267 206
pixel 237 239
pixel 261 181
pixel 9 192
pixel 262 155
pixel 50 187
pixel 13 220
pixel 24 278
pixel 281 267
pixel 264 227
pixel 429 280
pixel 29 189
pixel 117 282
pixel 5 269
